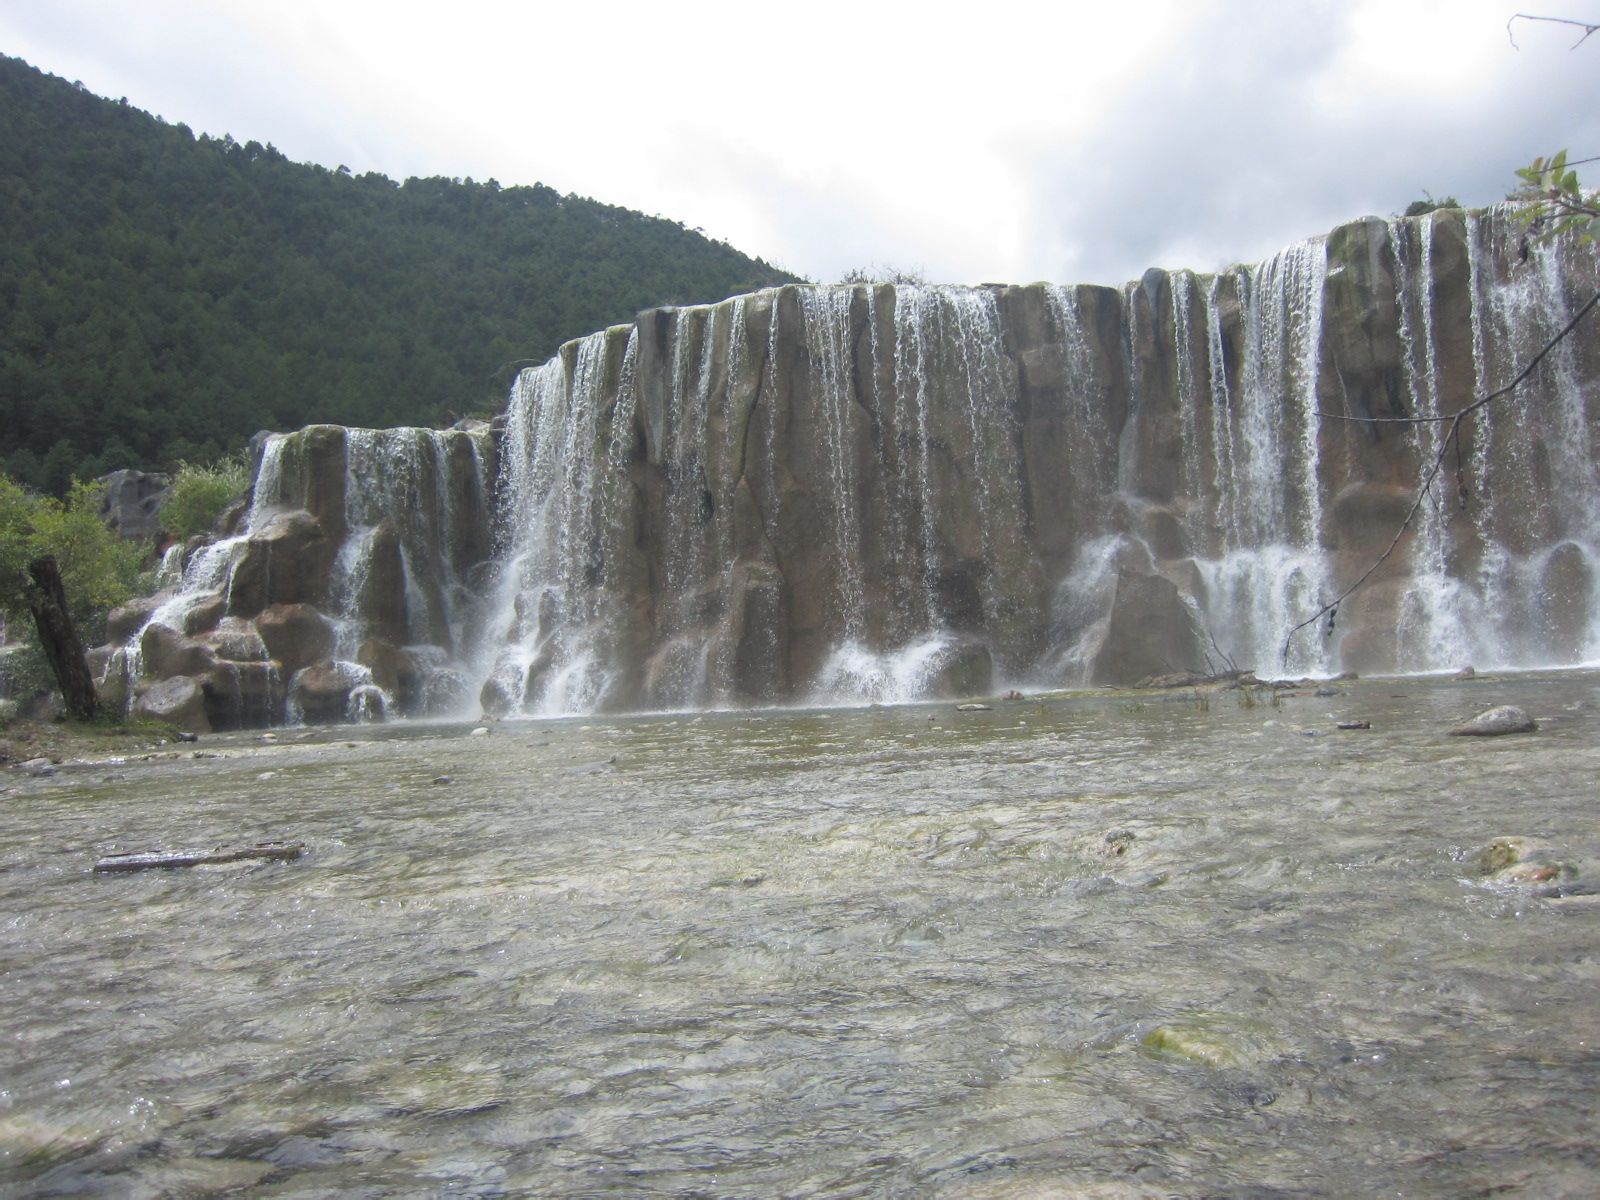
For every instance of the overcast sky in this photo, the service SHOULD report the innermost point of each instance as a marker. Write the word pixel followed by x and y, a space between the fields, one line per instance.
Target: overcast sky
pixel 990 141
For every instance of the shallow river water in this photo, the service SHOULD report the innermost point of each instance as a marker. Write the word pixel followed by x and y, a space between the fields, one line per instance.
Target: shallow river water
pixel 1082 947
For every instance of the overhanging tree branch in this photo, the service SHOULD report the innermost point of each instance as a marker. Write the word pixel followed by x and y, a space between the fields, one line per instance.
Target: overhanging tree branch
pixel 1586 26
pixel 1455 421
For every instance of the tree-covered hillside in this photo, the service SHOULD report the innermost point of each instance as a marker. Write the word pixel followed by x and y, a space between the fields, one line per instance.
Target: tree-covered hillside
pixel 164 296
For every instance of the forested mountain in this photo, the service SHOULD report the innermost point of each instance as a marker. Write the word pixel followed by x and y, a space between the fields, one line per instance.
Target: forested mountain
pixel 164 296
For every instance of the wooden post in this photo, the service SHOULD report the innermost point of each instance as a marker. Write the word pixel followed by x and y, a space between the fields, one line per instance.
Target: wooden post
pixel 47 600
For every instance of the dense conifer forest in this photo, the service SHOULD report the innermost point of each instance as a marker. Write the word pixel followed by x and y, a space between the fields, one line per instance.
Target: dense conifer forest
pixel 163 296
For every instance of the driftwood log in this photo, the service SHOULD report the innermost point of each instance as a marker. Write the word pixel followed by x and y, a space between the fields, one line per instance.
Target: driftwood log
pixel 166 859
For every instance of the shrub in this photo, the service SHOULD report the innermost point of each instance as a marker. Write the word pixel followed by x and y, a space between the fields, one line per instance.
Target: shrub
pixel 99 570
pixel 200 493
pixel 1421 208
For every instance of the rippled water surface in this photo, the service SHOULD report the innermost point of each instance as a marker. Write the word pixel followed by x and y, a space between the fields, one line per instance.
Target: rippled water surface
pixel 1082 947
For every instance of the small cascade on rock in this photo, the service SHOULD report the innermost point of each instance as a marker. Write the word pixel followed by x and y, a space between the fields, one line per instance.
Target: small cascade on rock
pixel 1538 572
pixel 394 593
pixel 922 375
pixel 1269 566
pixel 1438 611
pixel 343 593
pixel 548 650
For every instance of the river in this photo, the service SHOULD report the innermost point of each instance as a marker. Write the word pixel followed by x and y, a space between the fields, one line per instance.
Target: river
pixel 1084 946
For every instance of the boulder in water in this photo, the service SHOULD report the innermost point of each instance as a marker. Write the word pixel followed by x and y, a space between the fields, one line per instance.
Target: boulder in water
pixel 967 670
pixel 1494 722
pixel 393 669
pixel 322 692
pixel 1523 862
pixel 1149 632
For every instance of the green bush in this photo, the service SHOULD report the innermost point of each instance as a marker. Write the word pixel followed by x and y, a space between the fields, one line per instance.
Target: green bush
pixel 200 493
pixel 1421 208
pixel 99 570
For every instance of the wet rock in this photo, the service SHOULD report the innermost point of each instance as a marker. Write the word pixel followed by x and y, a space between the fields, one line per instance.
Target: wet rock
pixel 168 653
pixel 1524 862
pixel 37 766
pixel 187 735
pixel 242 695
pixel 204 615
pixel 1149 628
pixel 286 562
pixel 967 669
pixel 1355 725
pixel 442 781
pixel 1465 673
pixel 127 619
pixel 393 669
pixel 1118 842
pixel 1495 722
pixel 178 701
pixel 480 731
pixel 1197 1045
pixel 973 708
pixel 297 635
pixel 238 641
pixel 322 692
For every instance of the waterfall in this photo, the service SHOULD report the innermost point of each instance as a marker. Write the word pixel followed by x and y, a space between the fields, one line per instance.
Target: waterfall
pixel 1270 564
pixel 878 493
pixel 1534 456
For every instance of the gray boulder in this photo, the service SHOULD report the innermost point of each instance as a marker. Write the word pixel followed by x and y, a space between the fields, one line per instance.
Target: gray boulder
pixel 131 502
pixel 1494 722
pixel 179 701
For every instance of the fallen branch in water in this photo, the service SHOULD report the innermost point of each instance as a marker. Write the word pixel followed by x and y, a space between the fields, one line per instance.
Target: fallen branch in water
pixel 167 859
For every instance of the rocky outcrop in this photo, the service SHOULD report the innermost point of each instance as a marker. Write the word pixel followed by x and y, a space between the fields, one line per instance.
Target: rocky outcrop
pixel 338 598
pixel 879 492
pixel 131 501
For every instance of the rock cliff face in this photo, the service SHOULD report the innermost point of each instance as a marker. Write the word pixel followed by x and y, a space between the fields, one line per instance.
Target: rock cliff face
pixel 882 492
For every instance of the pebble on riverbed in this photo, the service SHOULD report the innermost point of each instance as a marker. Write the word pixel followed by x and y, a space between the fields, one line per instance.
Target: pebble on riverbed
pixel 1493 722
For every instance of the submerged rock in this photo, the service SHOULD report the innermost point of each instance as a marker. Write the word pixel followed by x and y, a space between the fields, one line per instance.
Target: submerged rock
pixel 1524 862
pixel 1195 1044
pixel 1494 722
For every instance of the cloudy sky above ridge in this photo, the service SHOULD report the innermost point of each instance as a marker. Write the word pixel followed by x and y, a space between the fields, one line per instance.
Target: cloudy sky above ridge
pixel 996 141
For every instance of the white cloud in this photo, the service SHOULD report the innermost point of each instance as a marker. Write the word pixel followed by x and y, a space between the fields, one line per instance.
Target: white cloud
pixel 1002 141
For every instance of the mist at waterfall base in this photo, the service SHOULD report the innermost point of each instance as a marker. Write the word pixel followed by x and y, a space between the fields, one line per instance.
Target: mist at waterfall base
pixel 1074 947
pixel 871 494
